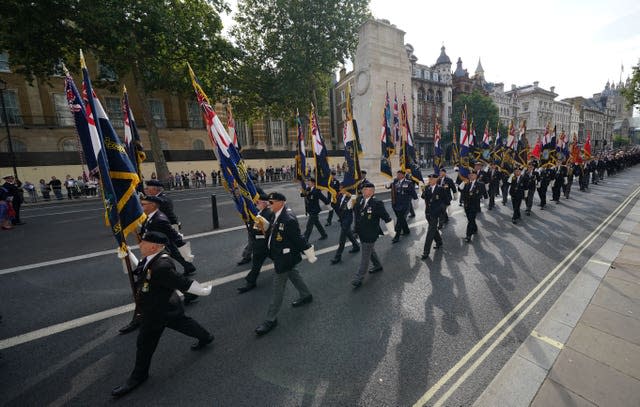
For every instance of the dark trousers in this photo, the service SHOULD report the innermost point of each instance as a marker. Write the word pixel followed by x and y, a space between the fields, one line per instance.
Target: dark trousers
pixel 472 227
pixel 505 192
pixel 16 203
pixel 345 233
pixel 412 213
pixel 401 224
pixel 443 217
pixel 260 254
pixel 493 191
pixel 248 249
pixel 516 201
pixel 314 220
pixel 529 201
pixel 432 234
pixel 330 217
pixel 555 191
pixel 566 189
pixel 542 193
pixel 150 334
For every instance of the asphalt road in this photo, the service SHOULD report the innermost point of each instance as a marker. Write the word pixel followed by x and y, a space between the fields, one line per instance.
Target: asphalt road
pixel 387 343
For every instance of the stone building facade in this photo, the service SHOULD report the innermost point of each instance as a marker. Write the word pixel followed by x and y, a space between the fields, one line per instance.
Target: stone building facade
pixel 536 106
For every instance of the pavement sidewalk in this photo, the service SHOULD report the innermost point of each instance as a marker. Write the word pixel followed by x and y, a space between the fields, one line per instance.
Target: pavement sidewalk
pixel 586 349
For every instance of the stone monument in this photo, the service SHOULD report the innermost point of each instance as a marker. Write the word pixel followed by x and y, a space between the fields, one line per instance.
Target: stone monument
pixel 381 63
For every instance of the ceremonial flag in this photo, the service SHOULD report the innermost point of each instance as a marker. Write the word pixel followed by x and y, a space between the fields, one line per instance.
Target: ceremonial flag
pixel 483 150
pixel 301 153
pixel 352 149
pixel 546 139
pixel 231 127
pixel 236 177
pixel 587 147
pixel 575 151
pixel 386 141
pixel 396 122
pixel 118 176
pixel 408 161
pixel 486 138
pixel 455 150
pixel 562 149
pixel 523 144
pixel 465 146
pixel 437 153
pixel 323 171
pixel 132 139
pixel 537 150
pixel 511 137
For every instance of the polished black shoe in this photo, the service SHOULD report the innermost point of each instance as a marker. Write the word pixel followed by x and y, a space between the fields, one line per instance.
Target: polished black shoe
pixel 424 256
pixel 356 283
pixel 375 270
pixel 190 298
pixel 354 249
pixel 528 213
pixel 302 301
pixel 266 326
pixel 132 326
pixel 248 287
pixel 202 343
pixel 336 260
pixel 515 222
pixel 396 238
pixel 189 270
pixel 323 237
pixel 127 387
pixel 244 261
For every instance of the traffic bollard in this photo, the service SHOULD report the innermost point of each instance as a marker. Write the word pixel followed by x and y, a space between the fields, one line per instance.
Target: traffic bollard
pixel 214 212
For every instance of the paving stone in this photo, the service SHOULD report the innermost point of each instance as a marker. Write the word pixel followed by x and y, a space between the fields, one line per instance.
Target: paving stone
pixel 594 381
pixel 613 294
pixel 616 324
pixel 553 394
pixel 568 308
pixel 625 272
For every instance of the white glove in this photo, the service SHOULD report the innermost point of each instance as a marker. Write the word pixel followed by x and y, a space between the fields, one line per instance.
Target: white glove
pixel 132 259
pixel 260 220
pixel 311 254
pixel 390 227
pixel 185 251
pixel 351 202
pixel 198 289
pixel 510 180
pixel 176 227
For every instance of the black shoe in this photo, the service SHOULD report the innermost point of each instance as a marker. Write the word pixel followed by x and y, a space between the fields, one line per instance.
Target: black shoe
pixel 127 387
pixel 302 301
pixel 336 260
pixel 424 256
pixel 265 327
pixel 323 237
pixel 328 224
pixel 412 216
pixel 375 270
pixel 467 239
pixel 244 261
pixel 515 222
pixel 528 213
pixel 356 283
pixel 354 249
pixel 132 326
pixel 436 247
pixel 248 287
pixel 440 226
pixel 190 298
pixel 189 270
pixel 407 233
pixel 396 239
pixel 202 343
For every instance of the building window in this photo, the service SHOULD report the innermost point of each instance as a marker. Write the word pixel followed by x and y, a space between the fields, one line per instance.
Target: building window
pixel 525 106
pixel 12 108
pixel 18 145
pixel 4 62
pixel 114 111
pixel 242 130
pixel 449 96
pixel 438 96
pixel 342 96
pixel 68 144
pixel 430 95
pixel 420 95
pixel 106 73
pixel 275 131
pixel 64 116
pixel 198 144
pixel 344 114
pixel 157 113
pixel 435 76
pixel 194 115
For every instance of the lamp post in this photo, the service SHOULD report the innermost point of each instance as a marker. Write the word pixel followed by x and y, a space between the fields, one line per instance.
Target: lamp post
pixel 5 117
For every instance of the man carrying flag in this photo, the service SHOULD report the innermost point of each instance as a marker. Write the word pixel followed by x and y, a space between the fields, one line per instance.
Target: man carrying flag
pixel 386 140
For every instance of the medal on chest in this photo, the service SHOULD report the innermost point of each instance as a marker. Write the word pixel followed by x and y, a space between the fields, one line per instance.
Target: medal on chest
pixel 279 237
pixel 145 285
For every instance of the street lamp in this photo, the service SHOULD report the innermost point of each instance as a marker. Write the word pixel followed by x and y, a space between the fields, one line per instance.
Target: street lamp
pixel 5 116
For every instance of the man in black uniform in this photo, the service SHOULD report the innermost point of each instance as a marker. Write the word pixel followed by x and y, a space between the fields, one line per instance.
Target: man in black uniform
pixel 545 177
pixel 155 188
pixel 472 192
pixel 506 169
pixel 312 197
pixel 435 198
pixel 368 211
pixel 258 229
pixel 559 180
pixel 494 176
pixel 518 184
pixel 450 191
pixel 285 245
pixel 402 192
pixel 345 215
pixel 335 184
pixel 14 195
pixel 532 182
pixel 156 284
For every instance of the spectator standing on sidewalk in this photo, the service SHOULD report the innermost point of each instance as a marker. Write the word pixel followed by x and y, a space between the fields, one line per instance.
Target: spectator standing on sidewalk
pixel 45 190
pixel 56 185
pixel 31 190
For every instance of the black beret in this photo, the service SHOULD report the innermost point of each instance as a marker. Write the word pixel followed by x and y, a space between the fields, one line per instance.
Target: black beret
pixel 155 237
pixel 367 184
pixel 399 172
pixel 443 169
pixel 152 198
pixel 277 196
pixel 433 176
pixel 363 171
pixel 263 197
pixel 154 183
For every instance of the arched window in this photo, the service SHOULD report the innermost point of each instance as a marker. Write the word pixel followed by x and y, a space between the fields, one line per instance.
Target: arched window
pixel 420 95
pixel 430 95
pixel 18 145
pixel 68 144
pixel 198 144
pixel 438 96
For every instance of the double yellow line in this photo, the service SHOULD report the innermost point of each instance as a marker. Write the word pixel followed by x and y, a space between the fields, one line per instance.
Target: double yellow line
pixel 539 291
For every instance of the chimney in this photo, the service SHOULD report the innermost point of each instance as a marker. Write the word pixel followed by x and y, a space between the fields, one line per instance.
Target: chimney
pixel 535 84
pixel 553 88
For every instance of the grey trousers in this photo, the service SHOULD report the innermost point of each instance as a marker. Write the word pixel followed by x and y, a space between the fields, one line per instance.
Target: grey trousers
pixel 279 285
pixel 368 254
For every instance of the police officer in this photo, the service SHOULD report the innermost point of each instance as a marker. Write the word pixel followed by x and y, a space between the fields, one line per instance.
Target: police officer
pixel 402 193
pixel 472 192
pixel 156 284
pixel 345 216
pixel 518 184
pixel 312 197
pixel 285 246
pixel 258 229
pixel 368 212
pixel 436 199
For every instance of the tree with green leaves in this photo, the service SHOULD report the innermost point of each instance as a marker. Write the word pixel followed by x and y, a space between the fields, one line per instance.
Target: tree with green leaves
pixel 149 41
pixel 631 92
pixel 291 49
pixel 480 109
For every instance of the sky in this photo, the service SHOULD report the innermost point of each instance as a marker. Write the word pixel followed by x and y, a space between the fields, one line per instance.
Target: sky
pixel 574 45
